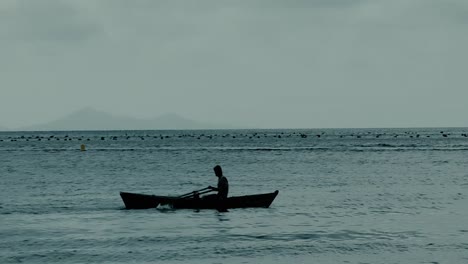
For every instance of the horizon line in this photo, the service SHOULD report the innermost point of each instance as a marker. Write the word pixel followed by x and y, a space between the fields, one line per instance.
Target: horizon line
pixel 212 129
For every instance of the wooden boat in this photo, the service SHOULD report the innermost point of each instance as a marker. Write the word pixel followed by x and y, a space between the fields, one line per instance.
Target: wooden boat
pixel 144 201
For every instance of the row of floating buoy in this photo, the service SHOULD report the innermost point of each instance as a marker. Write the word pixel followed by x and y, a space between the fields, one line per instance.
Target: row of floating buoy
pixel 233 136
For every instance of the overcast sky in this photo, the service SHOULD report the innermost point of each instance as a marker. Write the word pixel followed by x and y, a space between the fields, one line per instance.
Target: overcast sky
pixel 310 63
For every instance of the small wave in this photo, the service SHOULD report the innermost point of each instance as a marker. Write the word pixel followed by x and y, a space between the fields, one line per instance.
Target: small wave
pixel 381 147
pixel 233 149
pixel 387 145
pixel 35 210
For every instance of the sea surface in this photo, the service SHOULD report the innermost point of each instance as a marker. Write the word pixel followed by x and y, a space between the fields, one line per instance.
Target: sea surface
pixel 345 196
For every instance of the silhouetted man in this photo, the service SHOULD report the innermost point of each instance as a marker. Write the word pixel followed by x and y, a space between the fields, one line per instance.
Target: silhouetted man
pixel 223 188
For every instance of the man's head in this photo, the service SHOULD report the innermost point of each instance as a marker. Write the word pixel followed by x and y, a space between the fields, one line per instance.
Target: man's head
pixel 218 171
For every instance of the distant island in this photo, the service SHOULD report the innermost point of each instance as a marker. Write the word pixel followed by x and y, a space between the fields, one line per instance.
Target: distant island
pixel 91 119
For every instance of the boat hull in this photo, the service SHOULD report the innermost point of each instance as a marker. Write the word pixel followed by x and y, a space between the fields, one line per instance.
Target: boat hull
pixel 144 201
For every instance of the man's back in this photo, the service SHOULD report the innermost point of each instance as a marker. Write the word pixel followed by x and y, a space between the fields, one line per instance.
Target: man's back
pixel 223 187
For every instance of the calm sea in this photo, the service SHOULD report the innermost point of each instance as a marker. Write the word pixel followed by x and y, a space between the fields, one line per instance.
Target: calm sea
pixel 345 196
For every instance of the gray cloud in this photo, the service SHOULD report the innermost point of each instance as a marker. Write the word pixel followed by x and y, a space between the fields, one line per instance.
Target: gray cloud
pixel 46 21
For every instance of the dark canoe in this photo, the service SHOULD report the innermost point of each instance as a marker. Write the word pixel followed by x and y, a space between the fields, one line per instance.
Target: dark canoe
pixel 144 201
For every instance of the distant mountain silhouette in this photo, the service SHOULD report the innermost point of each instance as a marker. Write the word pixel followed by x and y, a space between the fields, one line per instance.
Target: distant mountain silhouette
pixel 91 119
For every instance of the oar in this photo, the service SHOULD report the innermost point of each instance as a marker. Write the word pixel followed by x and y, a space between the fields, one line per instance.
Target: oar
pixel 189 193
pixel 201 191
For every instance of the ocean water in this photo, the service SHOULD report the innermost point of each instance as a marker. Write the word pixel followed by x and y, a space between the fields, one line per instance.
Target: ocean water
pixel 345 196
